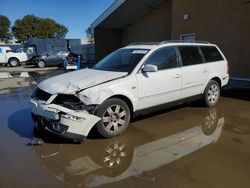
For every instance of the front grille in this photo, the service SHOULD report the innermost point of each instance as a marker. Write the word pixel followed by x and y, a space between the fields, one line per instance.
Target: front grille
pixel 40 95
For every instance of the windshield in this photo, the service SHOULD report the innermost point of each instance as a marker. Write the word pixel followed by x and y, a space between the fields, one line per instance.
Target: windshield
pixel 18 50
pixel 123 60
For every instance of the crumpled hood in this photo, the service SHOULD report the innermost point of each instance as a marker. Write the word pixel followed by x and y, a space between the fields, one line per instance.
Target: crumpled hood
pixel 72 82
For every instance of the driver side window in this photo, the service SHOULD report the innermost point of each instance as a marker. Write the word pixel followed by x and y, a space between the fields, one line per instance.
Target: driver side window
pixel 164 58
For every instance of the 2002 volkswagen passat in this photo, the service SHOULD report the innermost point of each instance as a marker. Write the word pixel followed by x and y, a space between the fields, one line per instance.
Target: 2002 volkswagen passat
pixel 133 79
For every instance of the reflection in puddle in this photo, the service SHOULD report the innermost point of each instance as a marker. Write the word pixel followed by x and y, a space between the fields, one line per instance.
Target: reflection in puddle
pixel 99 162
pixel 11 80
pixel 16 74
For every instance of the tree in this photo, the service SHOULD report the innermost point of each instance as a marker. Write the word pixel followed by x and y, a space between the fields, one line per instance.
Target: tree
pixel 31 26
pixel 5 34
pixel 90 35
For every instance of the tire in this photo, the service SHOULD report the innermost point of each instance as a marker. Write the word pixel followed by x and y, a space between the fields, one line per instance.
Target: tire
pixel 13 62
pixel 41 64
pixel 211 94
pixel 115 117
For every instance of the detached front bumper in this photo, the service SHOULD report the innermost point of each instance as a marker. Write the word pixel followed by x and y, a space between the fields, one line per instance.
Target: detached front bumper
pixel 63 122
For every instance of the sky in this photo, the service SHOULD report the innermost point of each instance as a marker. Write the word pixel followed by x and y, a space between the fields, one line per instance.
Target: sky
pixel 77 15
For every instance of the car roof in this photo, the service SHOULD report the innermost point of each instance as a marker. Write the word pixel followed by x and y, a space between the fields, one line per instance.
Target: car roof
pixel 151 45
pixel 5 47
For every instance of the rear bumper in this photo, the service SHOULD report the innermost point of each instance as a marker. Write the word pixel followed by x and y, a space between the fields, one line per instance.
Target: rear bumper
pixel 63 122
pixel 225 80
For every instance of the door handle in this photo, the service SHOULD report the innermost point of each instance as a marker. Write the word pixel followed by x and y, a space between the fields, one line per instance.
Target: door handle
pixel 177 75
pixel 205 71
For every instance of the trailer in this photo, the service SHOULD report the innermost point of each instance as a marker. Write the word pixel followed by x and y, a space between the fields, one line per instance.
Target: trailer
pixel 37 46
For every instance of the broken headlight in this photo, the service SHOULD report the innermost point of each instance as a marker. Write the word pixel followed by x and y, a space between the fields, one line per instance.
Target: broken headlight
pixel 39 94
pixel 72 102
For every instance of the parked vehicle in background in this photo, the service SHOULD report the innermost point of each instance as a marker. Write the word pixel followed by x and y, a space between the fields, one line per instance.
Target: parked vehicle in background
pixel 136 79
pixel 7 56
pixel 37 46
pixel 48 59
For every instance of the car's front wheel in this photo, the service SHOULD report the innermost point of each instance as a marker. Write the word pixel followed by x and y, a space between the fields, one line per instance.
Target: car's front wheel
pixel 13 62
pixel 212 93
pixel 41 64
pixel 115 117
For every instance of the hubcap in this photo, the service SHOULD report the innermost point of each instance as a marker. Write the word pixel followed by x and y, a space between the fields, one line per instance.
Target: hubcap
pixel 13 63
pixel 41 64
pixel 213 94
pixel 114 154
pixel 114 119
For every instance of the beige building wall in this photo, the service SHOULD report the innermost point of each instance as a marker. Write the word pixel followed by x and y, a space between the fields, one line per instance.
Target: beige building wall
pixel 224 22
pixel 154 26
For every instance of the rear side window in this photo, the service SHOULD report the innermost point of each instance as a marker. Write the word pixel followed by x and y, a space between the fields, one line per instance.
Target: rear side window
pixel 190 55
pixel 211 54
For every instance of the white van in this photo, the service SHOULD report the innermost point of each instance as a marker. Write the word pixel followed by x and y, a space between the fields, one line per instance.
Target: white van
pixel 129 81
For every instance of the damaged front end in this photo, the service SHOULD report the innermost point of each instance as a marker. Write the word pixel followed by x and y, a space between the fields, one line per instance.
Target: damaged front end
pixel 63 114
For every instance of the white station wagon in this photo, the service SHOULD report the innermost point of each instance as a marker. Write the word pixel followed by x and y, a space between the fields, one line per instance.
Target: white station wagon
pixel 135 79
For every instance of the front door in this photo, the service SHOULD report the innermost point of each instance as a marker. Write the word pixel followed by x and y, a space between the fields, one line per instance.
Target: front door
pixel 162 86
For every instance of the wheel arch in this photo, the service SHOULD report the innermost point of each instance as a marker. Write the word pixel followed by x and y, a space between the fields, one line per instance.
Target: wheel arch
pixel 16 58
pixel 218 80
pixel 128 102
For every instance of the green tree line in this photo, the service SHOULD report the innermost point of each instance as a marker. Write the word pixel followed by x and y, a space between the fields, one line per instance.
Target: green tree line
pixel 30 26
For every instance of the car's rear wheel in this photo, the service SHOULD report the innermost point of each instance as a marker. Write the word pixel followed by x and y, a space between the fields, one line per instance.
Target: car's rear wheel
pixel 212 93
pixel 41 64
pixel 115 117
pixel 13 62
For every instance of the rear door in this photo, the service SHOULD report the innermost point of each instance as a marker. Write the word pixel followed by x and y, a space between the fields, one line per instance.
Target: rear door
pixel 194 71
pixel 163 86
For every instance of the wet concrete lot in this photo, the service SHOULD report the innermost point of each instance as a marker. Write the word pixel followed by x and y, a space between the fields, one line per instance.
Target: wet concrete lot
pixel 187 146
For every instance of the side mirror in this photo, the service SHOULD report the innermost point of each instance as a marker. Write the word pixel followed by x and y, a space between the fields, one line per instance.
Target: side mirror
pixel 150 68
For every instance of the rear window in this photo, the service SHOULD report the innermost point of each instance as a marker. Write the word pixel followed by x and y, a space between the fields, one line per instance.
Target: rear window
pixel 211 53
pixel 190 55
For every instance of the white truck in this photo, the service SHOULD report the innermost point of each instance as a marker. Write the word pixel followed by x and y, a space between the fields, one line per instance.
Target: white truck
pixel 7 56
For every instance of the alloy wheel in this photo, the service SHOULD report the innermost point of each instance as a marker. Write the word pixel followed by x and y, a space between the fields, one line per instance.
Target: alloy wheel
pixel 213 94
pixel 114 119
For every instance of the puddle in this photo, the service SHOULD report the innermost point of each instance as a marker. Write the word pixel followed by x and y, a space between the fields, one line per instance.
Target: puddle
pixel 11 80
pixel 16 74
pixel 188 146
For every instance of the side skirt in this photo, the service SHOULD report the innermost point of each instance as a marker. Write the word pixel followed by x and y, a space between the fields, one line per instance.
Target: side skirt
pixel 166 105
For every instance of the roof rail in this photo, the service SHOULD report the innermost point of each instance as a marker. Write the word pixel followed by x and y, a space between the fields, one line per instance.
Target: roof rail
pixel 183 41
pixel 144 43
pixel 167 41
